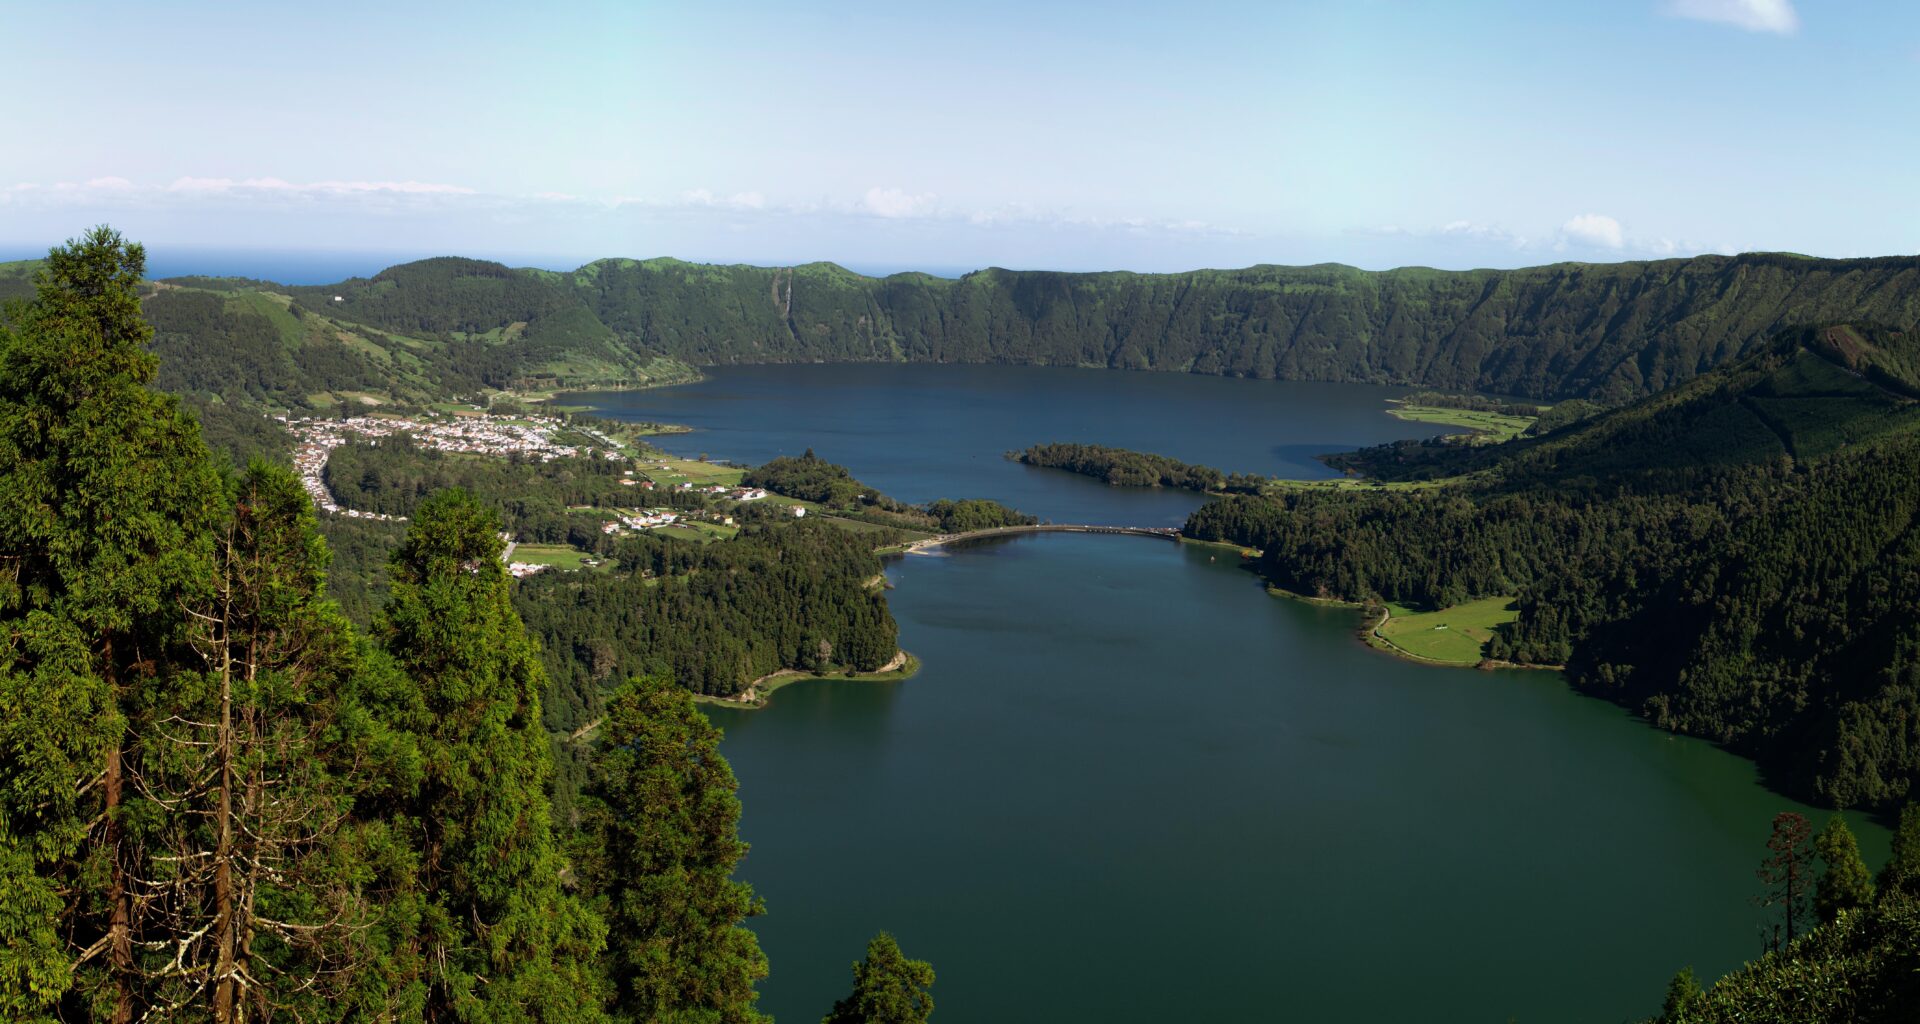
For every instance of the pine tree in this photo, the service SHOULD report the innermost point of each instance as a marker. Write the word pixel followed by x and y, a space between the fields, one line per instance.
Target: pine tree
pixel 500 940
pixel 662 817
pixel 107 504
pixel 888 988
pixel 1683 993
pixel 1845 884
pixel 1786 873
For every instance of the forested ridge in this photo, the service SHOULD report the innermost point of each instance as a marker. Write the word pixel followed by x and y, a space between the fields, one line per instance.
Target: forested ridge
pixel 452 326
pixel 221 801
pixel 1735 559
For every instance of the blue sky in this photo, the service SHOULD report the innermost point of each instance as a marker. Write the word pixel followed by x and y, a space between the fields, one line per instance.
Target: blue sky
pixel 1145 136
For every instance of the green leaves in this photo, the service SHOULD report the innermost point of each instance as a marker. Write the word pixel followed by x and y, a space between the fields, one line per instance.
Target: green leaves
pixel 661 817
pixel 888 988
pixel 503 941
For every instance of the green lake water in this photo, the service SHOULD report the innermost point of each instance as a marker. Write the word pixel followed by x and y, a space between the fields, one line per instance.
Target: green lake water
pixel 1128 785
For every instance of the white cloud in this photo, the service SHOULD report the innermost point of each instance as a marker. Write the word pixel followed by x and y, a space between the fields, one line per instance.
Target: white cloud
pixel 213 195
pixel 893 202
pixel 1596 230
pixel 1776 16
pixel 705 197
pixel 1458 230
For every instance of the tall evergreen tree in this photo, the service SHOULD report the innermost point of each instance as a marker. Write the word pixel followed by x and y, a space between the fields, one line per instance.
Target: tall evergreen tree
pixel 500 939
pixel 1845 884
pixel 253 905
pixel 662 819
pixel 1902 870
pixel 107 503
pixel 1787 874
pixel 888 988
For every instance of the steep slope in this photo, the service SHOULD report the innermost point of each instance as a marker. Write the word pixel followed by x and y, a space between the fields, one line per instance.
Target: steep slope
pixel 498 326
pixel 1613 331
pixel 1737 558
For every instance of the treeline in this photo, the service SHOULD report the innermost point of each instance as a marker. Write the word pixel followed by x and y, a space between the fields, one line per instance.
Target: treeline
pixel 1123 468
pixel 812 478
pixel 951 516
pixel 1735 560
pixel 220 802
pixel 1606 331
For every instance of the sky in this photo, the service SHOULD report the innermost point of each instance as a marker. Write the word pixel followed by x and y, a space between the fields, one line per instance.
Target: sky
pixel 895 135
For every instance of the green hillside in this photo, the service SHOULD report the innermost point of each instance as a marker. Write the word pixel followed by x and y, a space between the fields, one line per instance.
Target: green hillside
pixel 1737 558
pixel 1612 331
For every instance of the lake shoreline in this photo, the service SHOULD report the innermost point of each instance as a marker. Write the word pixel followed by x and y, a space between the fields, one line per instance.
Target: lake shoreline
pixel 759 693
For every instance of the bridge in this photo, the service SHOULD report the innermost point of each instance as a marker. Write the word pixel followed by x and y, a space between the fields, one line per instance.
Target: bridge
pixel 921 546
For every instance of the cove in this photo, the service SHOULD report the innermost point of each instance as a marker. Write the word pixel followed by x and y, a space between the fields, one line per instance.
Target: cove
pixel 1128 785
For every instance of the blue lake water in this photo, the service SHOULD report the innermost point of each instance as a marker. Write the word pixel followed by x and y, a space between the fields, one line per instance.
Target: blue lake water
pixel 1129 786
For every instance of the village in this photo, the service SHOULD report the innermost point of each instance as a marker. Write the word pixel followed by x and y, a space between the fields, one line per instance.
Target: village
pixel 529 436
pixel 544 438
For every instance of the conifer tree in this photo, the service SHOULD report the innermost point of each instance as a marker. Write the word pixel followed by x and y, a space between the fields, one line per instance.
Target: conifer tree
pixel 1902 871
pixel 107 502
pixel 499 939
pixel 251 904
pixel 1845 884
pixel 1787 874
pixel 662 819
pixel 1683 993
pixel 888 988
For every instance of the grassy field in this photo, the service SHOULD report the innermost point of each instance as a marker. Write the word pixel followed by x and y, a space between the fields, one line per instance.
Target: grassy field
pixel 560 556
pixel 1491 427
pixel 689 471
pixel 1456 635
pixel 1355 483
pixel 703 532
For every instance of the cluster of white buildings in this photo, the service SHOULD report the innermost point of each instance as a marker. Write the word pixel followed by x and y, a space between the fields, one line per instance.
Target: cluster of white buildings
pixel 641 520
pixel 521 570
pixel 530 436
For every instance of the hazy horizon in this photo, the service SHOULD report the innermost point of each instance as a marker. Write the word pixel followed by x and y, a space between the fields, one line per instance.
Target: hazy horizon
pixel 1491 134
pixel 326 266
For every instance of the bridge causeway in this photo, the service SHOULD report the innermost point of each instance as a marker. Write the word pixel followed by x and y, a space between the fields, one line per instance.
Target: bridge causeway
pixel 1162 532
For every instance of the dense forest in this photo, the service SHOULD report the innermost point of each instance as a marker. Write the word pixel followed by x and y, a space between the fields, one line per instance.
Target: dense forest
pixel 1733 559
pixel 715 617
pixel 1604 331
pixel 220 801
pixel 1124 468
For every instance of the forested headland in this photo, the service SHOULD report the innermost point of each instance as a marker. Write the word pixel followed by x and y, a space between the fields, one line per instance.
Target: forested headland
pixel 1734 559
pixel 222 801
pixel 1125 468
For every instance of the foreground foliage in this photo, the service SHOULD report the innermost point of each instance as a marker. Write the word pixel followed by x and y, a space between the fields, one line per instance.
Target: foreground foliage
pixel 218 802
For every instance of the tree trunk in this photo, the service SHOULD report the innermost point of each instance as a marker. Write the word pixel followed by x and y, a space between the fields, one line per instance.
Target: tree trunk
pixel 120 921
pixel 224 971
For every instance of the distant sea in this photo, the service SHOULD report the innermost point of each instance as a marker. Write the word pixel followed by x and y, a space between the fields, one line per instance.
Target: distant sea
pixel 321 266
